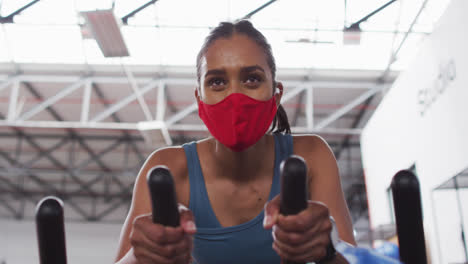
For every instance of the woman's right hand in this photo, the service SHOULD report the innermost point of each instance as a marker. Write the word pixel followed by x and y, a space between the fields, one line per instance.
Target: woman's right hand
pixel 157 244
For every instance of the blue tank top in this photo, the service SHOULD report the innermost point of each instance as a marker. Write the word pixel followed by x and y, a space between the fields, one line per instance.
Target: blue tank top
pixel 246 243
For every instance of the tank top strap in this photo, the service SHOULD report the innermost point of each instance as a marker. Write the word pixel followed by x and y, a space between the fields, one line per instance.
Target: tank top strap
pixel 285 143
pixel 199 202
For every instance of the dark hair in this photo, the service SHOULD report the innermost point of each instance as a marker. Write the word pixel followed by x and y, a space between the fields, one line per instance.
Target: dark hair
pixel 226 30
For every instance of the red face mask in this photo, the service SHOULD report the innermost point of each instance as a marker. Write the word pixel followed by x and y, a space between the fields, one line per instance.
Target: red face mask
pixel 238 121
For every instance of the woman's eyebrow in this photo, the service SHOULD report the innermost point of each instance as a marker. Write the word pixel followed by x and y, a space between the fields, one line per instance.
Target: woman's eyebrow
pixel 215 72
pixel 243 70
pixel 251 69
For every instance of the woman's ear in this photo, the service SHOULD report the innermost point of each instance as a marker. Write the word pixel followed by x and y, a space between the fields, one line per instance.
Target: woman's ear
pixel 278 93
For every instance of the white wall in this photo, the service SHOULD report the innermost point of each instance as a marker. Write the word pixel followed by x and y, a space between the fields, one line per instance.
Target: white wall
pixel 90 243
pixel 423 120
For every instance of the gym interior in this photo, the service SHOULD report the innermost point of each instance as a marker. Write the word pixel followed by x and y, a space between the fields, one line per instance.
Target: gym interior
pixel 89 89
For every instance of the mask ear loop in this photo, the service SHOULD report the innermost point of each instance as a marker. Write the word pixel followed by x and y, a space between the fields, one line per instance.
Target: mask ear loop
pixel 278 90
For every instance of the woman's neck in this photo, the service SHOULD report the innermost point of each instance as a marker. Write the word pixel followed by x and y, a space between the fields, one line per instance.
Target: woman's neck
pixel 242 166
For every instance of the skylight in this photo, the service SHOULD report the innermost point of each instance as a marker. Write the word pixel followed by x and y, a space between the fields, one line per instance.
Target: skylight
pixel 303 33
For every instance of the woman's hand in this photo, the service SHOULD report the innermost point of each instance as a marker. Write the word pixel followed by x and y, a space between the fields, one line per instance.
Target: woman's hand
pixel 303 237
pixel 154 243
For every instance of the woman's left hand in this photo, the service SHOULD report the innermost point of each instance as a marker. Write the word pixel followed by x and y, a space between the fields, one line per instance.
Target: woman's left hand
pixel 303 237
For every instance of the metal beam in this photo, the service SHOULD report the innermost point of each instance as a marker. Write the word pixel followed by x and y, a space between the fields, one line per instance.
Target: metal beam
pixel 298 129
pixel 249 15
pixel 155 125
pixel 12 113
pixel 9 18
pixel 297 112
pixel 52 159
pixel 9 207
pixel 119 105
pixel 64 92
pixel 86 100
pixel 181 137
pixel 12 171
pixel 355 25
pixel 116 118
pixel 329 131
pixel 181 115
pixel 124 193
pixel 36 94
pixel 106 150
pixel 123 200
pixel 331 84
pixel 161 112
pixel 50 78
pixel 166 135
pixel 309 111
pixel 5 84
pixel 291 94
pixel 86 137
pixel 45 152
pixel 39 194
pixel 94 158
pixel 161 102
pixel 53 78
pixel 92 154
pixel 393 57
pixel 73 135
pixel 49 188
pixel 348 107
pixel 134 12
pixel 86 186
pixel 357 120
pixel 137 93
pixel 46 186
pixel 150 125
pixel 70 125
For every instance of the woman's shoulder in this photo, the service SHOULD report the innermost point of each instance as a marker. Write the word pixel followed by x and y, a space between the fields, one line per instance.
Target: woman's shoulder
pixel 307 141
pixel 172 157
pixel 313 148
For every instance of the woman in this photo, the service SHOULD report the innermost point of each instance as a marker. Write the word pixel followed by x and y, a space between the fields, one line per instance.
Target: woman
pixel 225 181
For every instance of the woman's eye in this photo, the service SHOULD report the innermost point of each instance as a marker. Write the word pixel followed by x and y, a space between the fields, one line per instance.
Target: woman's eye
pixel 252 80
pixel 216 82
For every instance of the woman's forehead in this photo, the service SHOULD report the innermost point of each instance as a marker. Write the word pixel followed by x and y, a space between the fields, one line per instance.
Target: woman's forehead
pixel 236 51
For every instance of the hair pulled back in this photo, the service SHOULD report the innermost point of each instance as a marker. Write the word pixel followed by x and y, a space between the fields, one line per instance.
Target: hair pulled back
pixel 227 30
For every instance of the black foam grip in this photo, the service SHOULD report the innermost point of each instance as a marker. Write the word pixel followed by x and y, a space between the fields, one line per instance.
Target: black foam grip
pixel 294 191
pixel 163 196
pixel 50 231
pixel 408 215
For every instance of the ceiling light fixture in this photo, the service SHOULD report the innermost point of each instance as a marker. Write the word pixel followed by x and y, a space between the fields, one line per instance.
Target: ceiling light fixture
pixel 352 34
pixel 105 29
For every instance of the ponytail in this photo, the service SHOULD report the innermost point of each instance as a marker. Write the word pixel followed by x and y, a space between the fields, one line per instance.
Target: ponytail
pixel 280 122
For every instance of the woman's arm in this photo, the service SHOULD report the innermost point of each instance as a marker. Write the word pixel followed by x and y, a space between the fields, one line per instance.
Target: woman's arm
pixel 305 237
pixel 140 205
pixel 324 181
pixel 174 159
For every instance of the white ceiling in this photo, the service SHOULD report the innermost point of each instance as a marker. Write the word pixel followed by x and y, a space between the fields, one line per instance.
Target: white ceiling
pixel 170 32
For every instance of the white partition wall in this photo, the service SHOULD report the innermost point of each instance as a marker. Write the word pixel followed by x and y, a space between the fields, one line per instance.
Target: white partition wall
pixel 423 121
